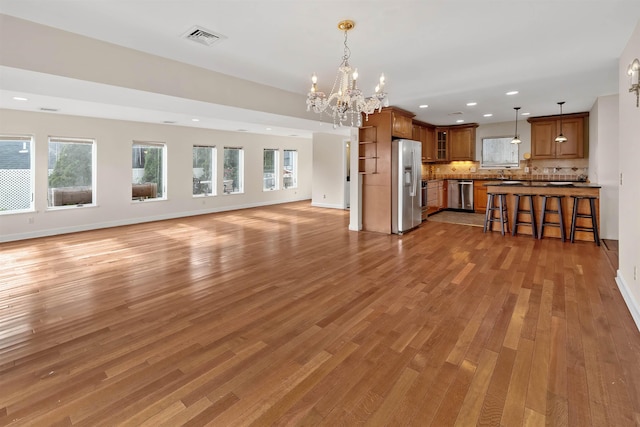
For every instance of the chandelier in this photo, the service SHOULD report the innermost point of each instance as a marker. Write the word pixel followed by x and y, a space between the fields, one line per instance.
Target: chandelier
pixel 346 104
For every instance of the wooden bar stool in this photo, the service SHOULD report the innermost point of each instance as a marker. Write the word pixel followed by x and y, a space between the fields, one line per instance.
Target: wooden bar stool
pixel 545 211
pixel 519 211
pixel 592 214
pixel 503 217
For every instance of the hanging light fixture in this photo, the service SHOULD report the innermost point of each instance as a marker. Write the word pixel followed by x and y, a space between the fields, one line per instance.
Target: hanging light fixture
pixel 346 104
pixel 634 76
pixel 516 139
pixel 561 137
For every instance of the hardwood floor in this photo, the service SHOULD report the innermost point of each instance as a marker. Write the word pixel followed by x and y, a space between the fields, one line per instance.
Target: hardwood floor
pixel 281 316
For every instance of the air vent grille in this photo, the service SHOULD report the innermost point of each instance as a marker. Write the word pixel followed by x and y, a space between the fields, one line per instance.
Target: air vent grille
pixel 51 110
pixel 203 36
pixel 456 113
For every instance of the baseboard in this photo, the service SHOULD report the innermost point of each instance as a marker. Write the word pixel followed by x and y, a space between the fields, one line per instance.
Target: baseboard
pixel 326 205
pixel 132 221
pixel 632 304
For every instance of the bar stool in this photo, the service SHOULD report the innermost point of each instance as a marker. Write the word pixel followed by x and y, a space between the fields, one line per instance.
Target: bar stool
pixel 591 214
pixel 519 211
pixel 503 217
pixel 544 222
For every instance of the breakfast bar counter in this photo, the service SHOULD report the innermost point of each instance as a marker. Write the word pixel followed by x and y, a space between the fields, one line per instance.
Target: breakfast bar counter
pixel 544 188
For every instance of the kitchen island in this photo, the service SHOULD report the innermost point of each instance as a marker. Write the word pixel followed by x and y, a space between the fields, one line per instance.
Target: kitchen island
pixel 541 188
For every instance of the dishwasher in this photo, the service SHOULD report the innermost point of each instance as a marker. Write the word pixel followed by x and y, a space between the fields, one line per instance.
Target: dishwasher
pixel 460 195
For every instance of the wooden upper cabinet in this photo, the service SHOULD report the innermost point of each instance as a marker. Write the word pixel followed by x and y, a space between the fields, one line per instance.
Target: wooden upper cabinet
pixel 402 125
pixel 429 145
pixel 442 144
pixel 573 129
pixel 544 131
pixel 462 143
pixel 425 133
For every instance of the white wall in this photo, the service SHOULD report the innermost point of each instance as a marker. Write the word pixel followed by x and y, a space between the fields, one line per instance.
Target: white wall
pixel 329 176
pixel 604 165
pixel 628 277
pixel 113 186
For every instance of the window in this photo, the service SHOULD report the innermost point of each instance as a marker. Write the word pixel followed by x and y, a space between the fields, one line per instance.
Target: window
pixel 290 177
pixel 149 171
pixel 16 174
pixel 270 170
pixel 499 153
pixel 233 177
pixel 204 170
pixel 70 171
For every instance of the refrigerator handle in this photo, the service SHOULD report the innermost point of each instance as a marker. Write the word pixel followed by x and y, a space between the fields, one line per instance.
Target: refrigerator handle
pixel 414 182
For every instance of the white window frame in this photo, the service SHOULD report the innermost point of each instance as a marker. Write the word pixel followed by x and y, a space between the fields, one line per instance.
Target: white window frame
pixel 276 170
pixel 27 144
pixel 212 184
pixel 225 184
pixel 294 172
pixel 73 140
pixel 165 174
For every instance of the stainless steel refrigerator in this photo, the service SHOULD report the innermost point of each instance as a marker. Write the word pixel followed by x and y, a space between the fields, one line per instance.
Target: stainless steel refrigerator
pixel 406 172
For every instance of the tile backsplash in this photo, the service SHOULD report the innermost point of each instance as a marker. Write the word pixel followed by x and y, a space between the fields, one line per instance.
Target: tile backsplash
pixel 565 169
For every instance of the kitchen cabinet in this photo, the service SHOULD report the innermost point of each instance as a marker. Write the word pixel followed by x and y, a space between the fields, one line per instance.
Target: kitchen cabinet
pixel 479 196
pixel 425 133
pixel 544 131
pixel 429 145
pixel 436 196
pixel 402 126
pixel 462 143
pixel 455 143
pixel 442 144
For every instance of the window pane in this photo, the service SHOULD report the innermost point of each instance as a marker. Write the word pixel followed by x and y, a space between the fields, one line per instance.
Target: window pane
pixel 233 177
pixel 270 170
pixel 290 177
pixel 70 172
pixel 16 174
pixel 148 171
pixel 204 177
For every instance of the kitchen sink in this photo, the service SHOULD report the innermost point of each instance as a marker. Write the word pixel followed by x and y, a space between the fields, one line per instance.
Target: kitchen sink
pixel 567 183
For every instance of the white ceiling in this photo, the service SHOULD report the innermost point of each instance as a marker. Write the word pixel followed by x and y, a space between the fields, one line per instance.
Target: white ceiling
pixel 444 53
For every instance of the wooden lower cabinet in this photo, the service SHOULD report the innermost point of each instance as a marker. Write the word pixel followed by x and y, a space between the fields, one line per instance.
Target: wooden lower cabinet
pixel 479 196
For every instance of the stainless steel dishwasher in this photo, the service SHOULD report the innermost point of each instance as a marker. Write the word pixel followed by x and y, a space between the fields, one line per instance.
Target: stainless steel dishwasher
pixel 460 195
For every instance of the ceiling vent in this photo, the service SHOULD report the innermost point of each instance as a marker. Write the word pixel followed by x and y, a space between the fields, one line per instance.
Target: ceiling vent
pixel 456 113
pixel 203 36
pixel 51 110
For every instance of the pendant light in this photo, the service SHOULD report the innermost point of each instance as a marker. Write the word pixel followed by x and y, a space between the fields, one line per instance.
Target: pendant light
pixel 561 137
pixel 516 139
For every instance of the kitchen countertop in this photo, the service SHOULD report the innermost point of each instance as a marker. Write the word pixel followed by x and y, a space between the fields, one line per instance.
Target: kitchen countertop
pixel 552 184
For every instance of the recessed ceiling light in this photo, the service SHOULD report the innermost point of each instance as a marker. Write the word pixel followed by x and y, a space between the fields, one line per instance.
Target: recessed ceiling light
pixel 459 121
pixel 19 98
pixel 195 120
pixel 268 129
pixel 471 104
pixel 423 106
pixel 488 115
pixel 513 92
pixel 525 114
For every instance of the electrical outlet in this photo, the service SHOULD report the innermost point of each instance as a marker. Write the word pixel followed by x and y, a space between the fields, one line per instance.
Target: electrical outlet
pixel 324 196
pixel 526 169
pixel 31 220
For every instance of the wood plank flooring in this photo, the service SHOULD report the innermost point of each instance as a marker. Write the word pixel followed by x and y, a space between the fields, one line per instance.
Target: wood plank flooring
pixel 281 316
